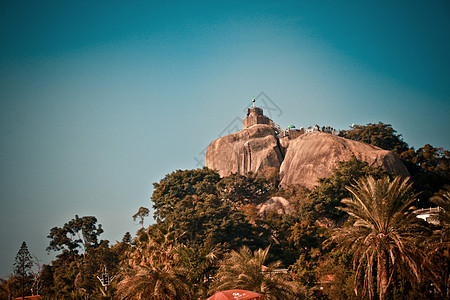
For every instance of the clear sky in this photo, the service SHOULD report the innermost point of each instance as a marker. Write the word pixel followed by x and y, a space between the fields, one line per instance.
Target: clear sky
pixel 99 99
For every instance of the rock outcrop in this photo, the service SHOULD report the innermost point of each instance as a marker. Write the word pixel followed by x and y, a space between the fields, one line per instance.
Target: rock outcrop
pixel 276 204
pixel 314 155
pixel 300 161
pixel 251 149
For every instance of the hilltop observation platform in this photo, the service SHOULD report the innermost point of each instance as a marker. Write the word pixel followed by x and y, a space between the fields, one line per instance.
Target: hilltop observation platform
pixel 255 115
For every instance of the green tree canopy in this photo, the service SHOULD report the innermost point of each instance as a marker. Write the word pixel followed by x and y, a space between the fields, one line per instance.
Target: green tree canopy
pixel 153 268
pixel 326 197
pixel 438 247
pixel 77 233
pixel 175 186
pixel 245 189
pixel 193 202
pixel 380 135
pixel 83 257
pixel 430 170
pixel 22 269
pixel 429 166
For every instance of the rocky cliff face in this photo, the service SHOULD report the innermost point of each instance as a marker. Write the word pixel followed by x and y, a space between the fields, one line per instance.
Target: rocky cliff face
pixel 251 149
pixel 314 155
pixel 301 160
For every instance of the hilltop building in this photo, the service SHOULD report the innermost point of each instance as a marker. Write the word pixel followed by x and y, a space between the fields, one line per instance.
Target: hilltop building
pixel 255 115
pixel 301 156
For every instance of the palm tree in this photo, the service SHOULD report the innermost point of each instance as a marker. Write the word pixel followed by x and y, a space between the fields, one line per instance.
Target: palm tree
pixel 156 282
pixel 439 244
pixel 442 199
pixel 153 269
pixel 384 231
pixel 244 270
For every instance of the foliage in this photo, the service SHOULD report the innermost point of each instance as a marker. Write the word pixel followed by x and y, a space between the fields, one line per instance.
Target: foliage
pixel 380 135
pixel 335 275
pixel 245 270
pixel 126 238
pixel 297 195
pixel 432 160
pixel 325 198
pixel 208 230
pixel 153 269
pixel 245 189
pixel 46 276
pixel 429 168
pixel 7 287
pixel 439 245
pixel 191 203
pixel 141 214
pixel 442 200
pixel 178 185
pixel 22 270
pixel 77 233
pixel 74 274
pixel 307 238
pixel 384 231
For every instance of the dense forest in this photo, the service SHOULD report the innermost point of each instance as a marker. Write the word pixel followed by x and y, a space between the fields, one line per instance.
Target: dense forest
pixel 356 235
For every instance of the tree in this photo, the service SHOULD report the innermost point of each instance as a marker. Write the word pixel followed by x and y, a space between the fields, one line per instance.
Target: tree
pixel 22 268
pixel 380 135
pixel 7 288
pixel 176 186
pixel 126 238
pixel 430 170
pixel 82 258
pixel 384 231
pixel 153 269
pixel 245 189
pixel 245 270
pixel 439 245
pixel 335 275
pixel 192 203
pixel 77 233
pixel 429 166
pixel 442 199
pixel 141 214
pixel 308 239
pixel 325 198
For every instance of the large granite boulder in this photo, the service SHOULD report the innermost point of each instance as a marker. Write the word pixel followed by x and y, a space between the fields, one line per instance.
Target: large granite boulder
pixel 250 149
pixel 314 155
pixel 301 160
pixel 276 204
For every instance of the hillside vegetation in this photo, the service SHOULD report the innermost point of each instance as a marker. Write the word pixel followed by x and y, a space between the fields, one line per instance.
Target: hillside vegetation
pixel 354 235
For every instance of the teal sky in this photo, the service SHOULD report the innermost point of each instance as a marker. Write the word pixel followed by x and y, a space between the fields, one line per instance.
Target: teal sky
pixel 99 99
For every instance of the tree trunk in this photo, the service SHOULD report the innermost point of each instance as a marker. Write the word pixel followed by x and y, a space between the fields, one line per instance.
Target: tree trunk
pixel 383 274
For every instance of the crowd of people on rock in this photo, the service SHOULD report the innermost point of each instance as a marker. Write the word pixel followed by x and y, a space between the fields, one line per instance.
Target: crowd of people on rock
pixel 317 128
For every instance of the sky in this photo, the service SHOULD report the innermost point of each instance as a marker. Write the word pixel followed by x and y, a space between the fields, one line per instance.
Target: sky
pixel 100 99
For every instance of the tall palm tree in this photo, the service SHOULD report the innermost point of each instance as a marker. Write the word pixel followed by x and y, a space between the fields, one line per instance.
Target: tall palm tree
pixel 153 269
pixel 154 282
pixel 244 270
pixel 384 231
